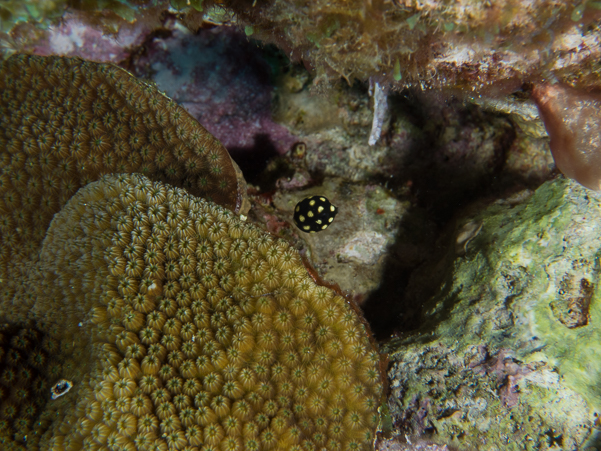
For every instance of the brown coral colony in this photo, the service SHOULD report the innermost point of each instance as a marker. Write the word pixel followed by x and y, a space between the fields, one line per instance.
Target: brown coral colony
pixel 241 351
pixel 65 122
pixel 178 325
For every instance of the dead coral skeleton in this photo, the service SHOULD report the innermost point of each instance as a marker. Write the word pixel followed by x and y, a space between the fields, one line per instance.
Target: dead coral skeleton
pixel 380 109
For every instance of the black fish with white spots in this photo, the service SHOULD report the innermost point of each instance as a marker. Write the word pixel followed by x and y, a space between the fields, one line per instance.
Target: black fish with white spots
pixel 314 214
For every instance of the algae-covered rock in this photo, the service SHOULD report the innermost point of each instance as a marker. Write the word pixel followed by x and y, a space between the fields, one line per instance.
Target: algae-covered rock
pixel 468 45
pixel 508 354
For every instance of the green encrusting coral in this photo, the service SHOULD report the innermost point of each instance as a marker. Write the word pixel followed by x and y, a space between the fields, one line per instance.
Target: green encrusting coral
pixel 509 356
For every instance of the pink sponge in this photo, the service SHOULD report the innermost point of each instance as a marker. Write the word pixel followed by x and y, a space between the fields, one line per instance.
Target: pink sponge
pixel 573 120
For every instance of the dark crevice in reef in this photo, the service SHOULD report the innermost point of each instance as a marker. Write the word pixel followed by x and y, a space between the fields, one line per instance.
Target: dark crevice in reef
pixel 457 160
pixel 253 161
pixel 445 183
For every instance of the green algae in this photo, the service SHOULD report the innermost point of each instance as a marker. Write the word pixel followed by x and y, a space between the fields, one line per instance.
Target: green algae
pixel 15 12
pixel 508 356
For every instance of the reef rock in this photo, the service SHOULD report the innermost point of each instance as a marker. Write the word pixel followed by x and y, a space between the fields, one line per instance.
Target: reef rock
pixel 507 355
pixel 471 46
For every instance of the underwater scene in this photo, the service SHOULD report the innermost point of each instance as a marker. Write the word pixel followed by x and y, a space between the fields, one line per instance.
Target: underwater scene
pixel 300 225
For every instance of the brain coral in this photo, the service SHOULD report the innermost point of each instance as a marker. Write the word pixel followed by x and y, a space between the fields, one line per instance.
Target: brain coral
pixel 180 326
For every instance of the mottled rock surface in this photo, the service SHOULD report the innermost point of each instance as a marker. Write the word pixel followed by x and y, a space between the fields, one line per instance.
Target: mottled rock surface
pixel 507 355
pixel 352 251
pixel 224 81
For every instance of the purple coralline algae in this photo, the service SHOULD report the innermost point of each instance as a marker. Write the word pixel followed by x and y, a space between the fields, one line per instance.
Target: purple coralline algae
pixel 73 36
pixel 95 31
pixel 223 81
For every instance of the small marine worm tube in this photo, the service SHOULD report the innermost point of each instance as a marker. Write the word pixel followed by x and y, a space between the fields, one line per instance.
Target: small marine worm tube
pixel 380 109
pixel 61 388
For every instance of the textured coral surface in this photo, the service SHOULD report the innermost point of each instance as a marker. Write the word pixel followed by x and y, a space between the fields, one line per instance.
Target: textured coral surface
pixel 470 46
pixel 28 368
pixel 198 330
pixel 102 30
pixel 65 122
pixel 179 326
pixel 497 336
pixel 466 45
pixel 77 35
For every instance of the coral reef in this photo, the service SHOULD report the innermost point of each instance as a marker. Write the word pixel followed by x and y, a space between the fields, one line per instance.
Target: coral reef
pixel 42 12
pixel 74 35
pixel 224 81
pixel 27 370
pixel 423 134
pixel 166 311
pixel 466 46
pixel 419 445
pixel 198 330
pixel 471 46
pixel 102 30
pixel 352 251
pixel 177 324
pixel 65 122
pixel 506 355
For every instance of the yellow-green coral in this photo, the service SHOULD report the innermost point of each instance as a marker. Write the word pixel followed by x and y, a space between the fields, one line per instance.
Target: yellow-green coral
pixel 200 330
pixel 180 326
pixel 65 122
